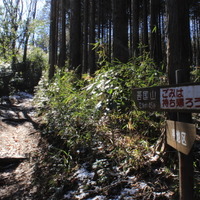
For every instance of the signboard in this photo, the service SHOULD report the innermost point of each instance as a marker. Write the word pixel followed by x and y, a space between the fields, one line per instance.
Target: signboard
pixel 181 136
pixel 147 98
pixel 178 98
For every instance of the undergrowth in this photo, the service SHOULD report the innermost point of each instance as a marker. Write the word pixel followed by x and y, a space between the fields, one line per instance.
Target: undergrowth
pixel 93 118
pixel 83 112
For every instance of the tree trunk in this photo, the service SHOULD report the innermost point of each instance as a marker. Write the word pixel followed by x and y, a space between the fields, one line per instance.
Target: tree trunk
pixel 178 33
pixel 197 40
pixel 120 31
pixel 92 64
pixel 135 27
pixel 26 41
pixel 110 38
pixel 75 36
pixel 155 47
pixel 145 41
pixel 53 43
pixel 85 38
pixel 62 56
pixel 178 58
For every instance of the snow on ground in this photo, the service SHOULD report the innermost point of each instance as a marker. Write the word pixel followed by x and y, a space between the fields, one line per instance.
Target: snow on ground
pixel 123 186
pixel 18 99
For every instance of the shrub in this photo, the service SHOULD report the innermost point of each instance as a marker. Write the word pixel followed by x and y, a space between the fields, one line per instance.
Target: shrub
pixel 76 111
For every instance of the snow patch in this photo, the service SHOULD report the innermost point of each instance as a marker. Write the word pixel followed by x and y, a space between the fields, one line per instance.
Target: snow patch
pixel 98 198
pixel 81 196
pixel 128 191
pixel 143 185
pixel 24 95
pixel 83 174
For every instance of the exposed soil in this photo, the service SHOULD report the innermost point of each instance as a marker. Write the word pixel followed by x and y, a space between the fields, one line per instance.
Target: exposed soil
pixel 19 148
pixel 32 168
pixel 28 171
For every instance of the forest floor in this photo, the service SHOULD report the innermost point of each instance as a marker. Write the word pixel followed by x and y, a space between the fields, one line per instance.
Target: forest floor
pixel 30 170
pixel 19 146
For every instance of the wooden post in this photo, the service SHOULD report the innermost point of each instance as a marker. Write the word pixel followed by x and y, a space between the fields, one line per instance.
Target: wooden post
pixel 186 172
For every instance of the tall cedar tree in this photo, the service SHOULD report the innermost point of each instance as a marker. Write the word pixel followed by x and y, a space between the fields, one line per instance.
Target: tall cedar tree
pixel 120 31
pixel 135 26
pixel 63 48
pixel 155 46
pixel 145 40
pixel 53 43
pixel 195 17
pixel 75 36
pixel 91 63
pixel 178 58
pixel 179 44
pixel 108 21
pixel 85 37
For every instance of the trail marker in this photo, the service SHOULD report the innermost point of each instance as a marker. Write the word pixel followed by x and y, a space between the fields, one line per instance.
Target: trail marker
pixel 181 136
pixel 182 99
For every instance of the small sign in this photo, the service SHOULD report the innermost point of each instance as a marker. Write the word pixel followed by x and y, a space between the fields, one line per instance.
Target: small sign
pixel 181 136
pixel 178 98
pixel 147 98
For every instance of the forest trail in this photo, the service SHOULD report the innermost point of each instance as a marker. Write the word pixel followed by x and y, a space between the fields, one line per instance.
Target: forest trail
pixel 19 148
pixel 27 172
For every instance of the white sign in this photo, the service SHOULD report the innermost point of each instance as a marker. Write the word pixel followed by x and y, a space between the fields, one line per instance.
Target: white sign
pixel 186 97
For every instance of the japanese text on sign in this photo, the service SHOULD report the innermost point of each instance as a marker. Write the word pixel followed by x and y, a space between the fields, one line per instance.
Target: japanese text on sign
pixel 179 137
pixel 180 97
pixel 146 99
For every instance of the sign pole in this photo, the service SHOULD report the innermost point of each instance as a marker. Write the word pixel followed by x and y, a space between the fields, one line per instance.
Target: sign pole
pixel 186 171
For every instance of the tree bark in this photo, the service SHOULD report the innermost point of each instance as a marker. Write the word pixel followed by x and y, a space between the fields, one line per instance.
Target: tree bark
pixel 120 31
pixel 110 38
pixel 92 64
pixel 75 36
pixel 155 47
pixel 135 27
pixel 62 56
pixel 145 40
pixel 85 38
pixel 178 61
pixel 178 33
pixel 53 43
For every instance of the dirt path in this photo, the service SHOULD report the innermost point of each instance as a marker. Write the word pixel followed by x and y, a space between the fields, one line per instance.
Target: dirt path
pixel 19 148
pixel 27 172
